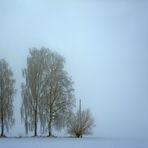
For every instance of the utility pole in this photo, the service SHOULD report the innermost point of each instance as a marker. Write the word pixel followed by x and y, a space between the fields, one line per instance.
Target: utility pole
pixel 80 124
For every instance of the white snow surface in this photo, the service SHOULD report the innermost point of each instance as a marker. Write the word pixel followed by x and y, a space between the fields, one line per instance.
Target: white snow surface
pixel 45 142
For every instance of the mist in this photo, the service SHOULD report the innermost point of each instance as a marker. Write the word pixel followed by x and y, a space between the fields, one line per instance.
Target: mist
pixel 106 51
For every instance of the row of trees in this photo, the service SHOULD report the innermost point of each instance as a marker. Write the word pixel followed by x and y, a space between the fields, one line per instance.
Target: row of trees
pixel 47 96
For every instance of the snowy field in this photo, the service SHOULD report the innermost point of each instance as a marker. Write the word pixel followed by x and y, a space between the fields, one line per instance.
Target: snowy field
pixel 70 143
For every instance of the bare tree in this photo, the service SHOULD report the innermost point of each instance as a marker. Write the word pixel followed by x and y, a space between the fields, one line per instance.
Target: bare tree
pixel 7 92
pixel 47 92
pixel 33 88
pixel 59 99
pixel 80 123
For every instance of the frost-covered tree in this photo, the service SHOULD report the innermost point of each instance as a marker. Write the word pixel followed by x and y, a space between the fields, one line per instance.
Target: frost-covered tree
pixel 59 98
pixel 33 88
pixel 80 123
pixel 47 91
pixel 7 92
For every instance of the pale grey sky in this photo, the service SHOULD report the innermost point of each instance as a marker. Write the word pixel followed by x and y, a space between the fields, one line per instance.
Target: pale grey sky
pixel 106 50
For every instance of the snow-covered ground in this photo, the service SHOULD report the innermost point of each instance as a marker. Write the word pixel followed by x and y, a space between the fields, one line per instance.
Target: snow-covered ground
pixel 70 143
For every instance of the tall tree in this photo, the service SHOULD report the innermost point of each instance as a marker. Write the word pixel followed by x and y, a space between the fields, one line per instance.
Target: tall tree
pixel 7 92
pixel 32 88
pixel 47 91
pixel 59 97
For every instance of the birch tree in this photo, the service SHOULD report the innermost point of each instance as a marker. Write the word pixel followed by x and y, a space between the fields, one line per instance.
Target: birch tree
pixel 59 99
pixel 47 91
pixel 7 92
pixel 32 88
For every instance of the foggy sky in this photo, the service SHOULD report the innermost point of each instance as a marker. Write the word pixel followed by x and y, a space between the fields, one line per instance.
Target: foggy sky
pixel 105 44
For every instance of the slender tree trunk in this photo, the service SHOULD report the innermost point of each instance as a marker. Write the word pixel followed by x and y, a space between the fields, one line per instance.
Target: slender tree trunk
pixel 35 123
pixel 35 120
pixel 2 122
pixel 50 116
pixel 49 127
pixel 26 127
pixel 2 112
pixel 50 122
